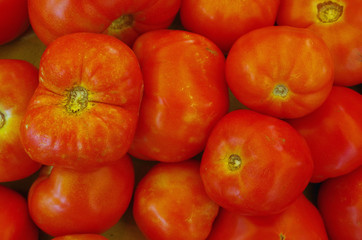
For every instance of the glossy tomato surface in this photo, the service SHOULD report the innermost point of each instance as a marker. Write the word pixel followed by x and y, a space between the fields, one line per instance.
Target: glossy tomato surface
pixel 340 203
pixel 254 164
pixel 81 237
pixel 300 221
pixel 122 19
pixel 84 112
pixel 334 134
pixel 18 81
pixel 170 203
pixel 284 72
pixel 64 201
pixel 338 23
pixel 15 221
pixel 185 94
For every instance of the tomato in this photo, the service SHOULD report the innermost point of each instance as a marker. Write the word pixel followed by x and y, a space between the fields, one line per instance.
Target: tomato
pixel 340 203
pixel 122 19
pixel 84 112
pixel 14 19
pixel 334 134
pixel 64 201
pixel 224 22
pixel 284 72
pixel 15 221
pixel 338 22
pixel 185 94
pixel 254 164
pixel 170 203
pixel 18 80
pixel 301 220
pixel 81 237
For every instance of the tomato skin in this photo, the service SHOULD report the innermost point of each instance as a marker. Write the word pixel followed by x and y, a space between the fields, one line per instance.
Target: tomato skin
pixel 52 19
pixel 275 79
pixel 343 36
pixel 301 220
pixel 18 80
pixel 254 164
pixel 334 134
pixel 14 19
pixel 15 221
pixel 65 201
pixel 84 112
pixel 225 26
pixel 81 237
pixel 340 204
pixel 170 198
pixel 185 87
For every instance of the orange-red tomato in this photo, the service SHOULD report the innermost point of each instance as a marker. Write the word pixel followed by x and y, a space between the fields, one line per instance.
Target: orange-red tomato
pixel 338 23
pixel 122 19
pixel 254 164
pixel 65 201
pixel 84 112
pixel 18 81
pixel 81 237
pixel 284 72
pixel 185 94
pixel 300 221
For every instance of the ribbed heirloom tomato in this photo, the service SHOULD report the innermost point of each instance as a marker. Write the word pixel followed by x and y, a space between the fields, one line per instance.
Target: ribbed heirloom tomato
pixel 84 112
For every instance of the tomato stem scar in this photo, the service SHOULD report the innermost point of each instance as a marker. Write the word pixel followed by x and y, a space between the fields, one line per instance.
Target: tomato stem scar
pixel 280 90
pixel 282 237
pixel 77 99
pixel 2 119
pixel 120 23
pixel 329 12
pixel 234 162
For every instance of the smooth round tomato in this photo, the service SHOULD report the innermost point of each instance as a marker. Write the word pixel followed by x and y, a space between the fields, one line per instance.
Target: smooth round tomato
pixel 18 80
pixel 84 112
pixel 224 22
pixel 334 134
pixel 81 237
pixel 15 221
pixel 65 201
pixel 340 203
pixel 125 20
pixel 284 72
pixel 338 23
pixel 185 94
pixel 14 19
pixel 300 221
pixel 254 164
pixel 170 203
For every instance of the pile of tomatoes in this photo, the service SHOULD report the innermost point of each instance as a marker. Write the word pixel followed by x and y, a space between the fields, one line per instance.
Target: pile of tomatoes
pixel 201 119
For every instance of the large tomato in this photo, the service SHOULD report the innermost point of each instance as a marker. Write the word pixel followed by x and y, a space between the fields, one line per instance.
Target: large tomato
pixel 285 72
pixel 81 237
pixel 334 134
pixel 18 81
pixel 170 203
pixel 185 94
pixel 225 21
pixel 300 221
pixel 254 164
pixel 339 23
pixel 14 19
pixel 340 203
pixel 85 109
pixel 15 222
pixel 122 19
pixel 65 201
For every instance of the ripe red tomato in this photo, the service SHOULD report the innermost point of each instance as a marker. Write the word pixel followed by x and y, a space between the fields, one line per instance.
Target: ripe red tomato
pixel 18 81
pixel 185 94
pixel 284 72
pixel 84 112
pixel 340 203
pixel 339 23
pixel 122 19
pixel 64 201
pixel 300 221
pixel 14 19
pixel 81 237
pixel 334 134
pixel 224 22
pixel 254 164
pixel 170 203
pixel 15 221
